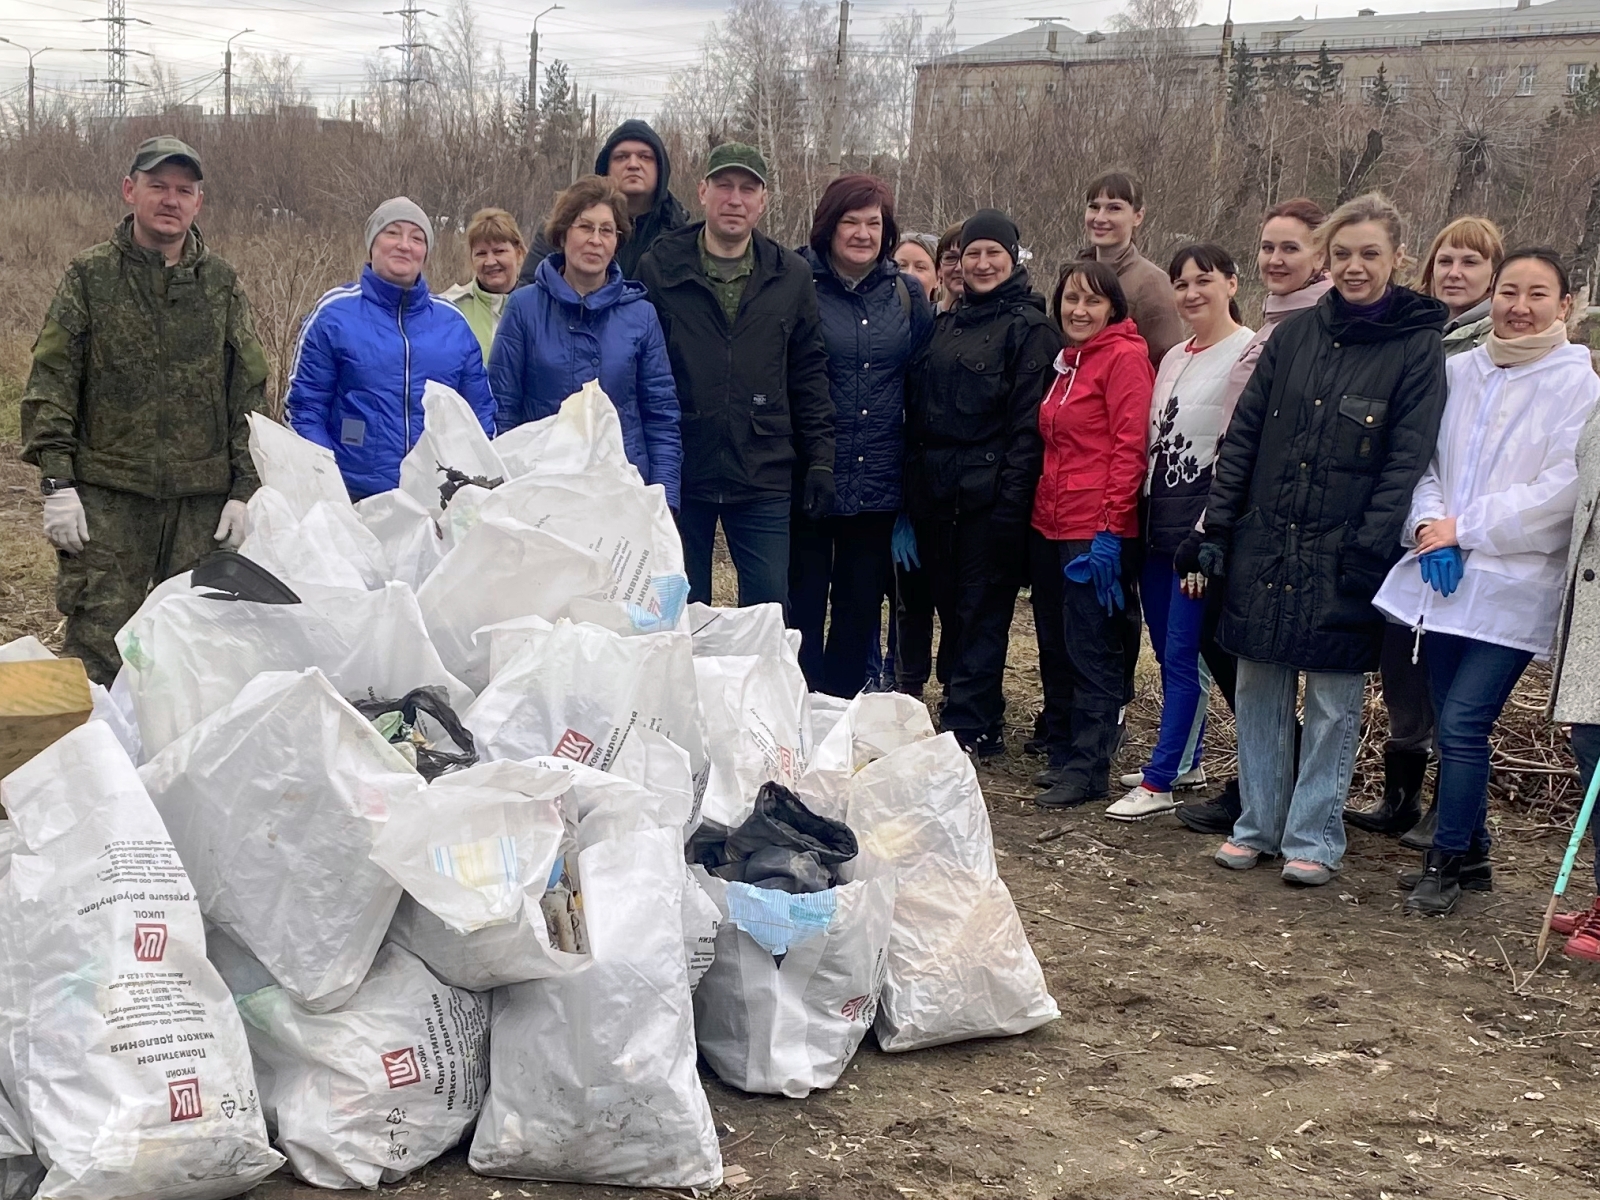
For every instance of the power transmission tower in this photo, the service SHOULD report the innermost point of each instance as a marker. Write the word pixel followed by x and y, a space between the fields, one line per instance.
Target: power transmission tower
pixel 408 46
pixel 116 80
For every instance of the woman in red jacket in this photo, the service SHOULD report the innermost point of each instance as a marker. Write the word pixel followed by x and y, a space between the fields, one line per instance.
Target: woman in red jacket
pixel 1093 422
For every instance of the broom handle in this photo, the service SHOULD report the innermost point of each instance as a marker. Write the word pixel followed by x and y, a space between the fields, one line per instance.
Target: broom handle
pixel 1578 829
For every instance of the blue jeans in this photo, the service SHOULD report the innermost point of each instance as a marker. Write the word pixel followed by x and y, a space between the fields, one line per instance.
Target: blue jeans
pixel 758 542
pixel 1174 622
pixel 1471 681
pixel 1298 816
pixel 1586 748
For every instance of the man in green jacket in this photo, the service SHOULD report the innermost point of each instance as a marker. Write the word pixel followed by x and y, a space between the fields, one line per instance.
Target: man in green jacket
pixel 135 410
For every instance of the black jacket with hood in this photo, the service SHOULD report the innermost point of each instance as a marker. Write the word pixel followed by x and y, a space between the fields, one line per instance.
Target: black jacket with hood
pixel 757 410
pixel 1313 482
pixel 665 214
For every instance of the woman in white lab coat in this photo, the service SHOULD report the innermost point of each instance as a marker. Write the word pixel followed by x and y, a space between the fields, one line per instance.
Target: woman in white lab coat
pixel 1489 528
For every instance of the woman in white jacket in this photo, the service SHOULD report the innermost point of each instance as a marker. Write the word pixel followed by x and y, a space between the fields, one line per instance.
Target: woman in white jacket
pixel 1490 524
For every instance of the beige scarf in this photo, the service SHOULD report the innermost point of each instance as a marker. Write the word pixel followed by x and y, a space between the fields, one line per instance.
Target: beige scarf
pixel 1519 351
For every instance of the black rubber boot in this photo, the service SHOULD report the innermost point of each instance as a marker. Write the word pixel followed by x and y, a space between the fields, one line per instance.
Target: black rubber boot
pixel 1069 793
pixel 1214 816
pixel 1401 809
pixel 1420 835
pixel 1477 875
pixel 1439 888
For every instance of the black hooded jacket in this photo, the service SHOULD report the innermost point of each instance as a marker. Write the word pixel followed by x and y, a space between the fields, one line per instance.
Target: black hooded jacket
pixel 665 214
pixel 1313 482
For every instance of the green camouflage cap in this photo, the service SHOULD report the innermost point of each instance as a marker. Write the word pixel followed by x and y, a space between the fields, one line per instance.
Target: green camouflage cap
pixel 737 154
pixel 152 152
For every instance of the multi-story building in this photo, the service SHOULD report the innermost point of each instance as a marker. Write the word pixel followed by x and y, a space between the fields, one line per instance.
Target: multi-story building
pixel 1534 56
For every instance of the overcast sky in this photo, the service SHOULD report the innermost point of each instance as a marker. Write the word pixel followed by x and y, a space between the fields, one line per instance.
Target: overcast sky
pixel 624 49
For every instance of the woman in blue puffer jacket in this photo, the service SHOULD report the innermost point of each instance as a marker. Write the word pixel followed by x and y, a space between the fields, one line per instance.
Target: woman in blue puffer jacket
pixel 581 320
pixel 874 320
pixel 368 348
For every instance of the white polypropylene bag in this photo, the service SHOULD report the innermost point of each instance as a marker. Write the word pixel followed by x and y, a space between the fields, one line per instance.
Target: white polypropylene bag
pixel 186 656
pixel 411 541
pixel 578 691
pixel 758 728
pixel 274 803
pixel 326 545
pixel 960 965
pixel 592 1076
pixel 382 1086
pixel 583 437
pixel 451 437
pixel 500 570
pixel 786 1026
pixel 759 629
pixel 873 724
pixel 299 469
pixel 123 1052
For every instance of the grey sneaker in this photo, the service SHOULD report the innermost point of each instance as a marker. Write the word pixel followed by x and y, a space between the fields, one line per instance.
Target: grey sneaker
pixel 1236 858
pixel 1303 873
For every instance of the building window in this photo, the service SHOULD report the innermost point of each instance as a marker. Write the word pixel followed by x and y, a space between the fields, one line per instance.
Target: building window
pixel 964 96
pixel 1442 79
pixel 1495 81
pixel 1402 88
pixel 1576 74
pixel 1022 95
pixel 1526 74
pixel 1369 87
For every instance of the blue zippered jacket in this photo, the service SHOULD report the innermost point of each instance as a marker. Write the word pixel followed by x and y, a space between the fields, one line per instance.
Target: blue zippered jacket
pixel 551 342
pixel 872 333
pixel 364 354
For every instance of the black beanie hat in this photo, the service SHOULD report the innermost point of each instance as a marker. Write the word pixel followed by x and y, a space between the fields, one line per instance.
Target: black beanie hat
pixel 990 224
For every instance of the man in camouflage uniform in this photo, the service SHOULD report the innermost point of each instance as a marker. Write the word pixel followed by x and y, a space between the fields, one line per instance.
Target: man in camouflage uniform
pixel 135 410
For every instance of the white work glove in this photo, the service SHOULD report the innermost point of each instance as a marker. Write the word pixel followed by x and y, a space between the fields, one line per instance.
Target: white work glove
pixel 64 522
pixel 234 525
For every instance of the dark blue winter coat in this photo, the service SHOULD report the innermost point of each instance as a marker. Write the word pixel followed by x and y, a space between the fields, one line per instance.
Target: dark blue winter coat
pixel 551 342
pixel 871 332
pixel 365 352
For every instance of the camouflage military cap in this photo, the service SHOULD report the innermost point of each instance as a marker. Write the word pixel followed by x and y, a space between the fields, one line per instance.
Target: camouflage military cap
pixel 737 155
pixel 152 152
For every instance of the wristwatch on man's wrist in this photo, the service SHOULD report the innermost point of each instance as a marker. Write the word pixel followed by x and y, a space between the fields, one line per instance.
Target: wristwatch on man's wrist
pixel 49 485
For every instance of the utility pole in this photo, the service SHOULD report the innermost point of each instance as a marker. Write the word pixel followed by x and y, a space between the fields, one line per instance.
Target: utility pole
pixel 577 134
pixel 116 80
pixel 32 54
pixel 227 76
pixel 533 75
pixel 594 112
pixel 836 96
pixel 408 47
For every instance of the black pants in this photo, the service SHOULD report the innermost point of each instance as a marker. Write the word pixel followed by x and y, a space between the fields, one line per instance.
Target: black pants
pixel 1081 653
pixel 913 654
pixel 975 595
pixel 1406 691
pixel 1223 666
pixel 837 567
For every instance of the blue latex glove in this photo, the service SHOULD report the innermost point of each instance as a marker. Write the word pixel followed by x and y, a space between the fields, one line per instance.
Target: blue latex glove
pixel 903 544
pixel 1102 565
pixel 1442 569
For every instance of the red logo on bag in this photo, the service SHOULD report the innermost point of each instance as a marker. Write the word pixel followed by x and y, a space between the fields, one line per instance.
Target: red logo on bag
pixel 183 1098
pixel 851 1009
pixel 574 745
pixel 786 762
pixel 149 942
pixel 400 1067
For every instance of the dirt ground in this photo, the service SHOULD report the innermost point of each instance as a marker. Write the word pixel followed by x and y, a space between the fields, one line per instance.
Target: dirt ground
pixel 1221 1034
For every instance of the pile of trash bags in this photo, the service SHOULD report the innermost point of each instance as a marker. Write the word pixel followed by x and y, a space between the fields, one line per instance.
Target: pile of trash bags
pixel 442 817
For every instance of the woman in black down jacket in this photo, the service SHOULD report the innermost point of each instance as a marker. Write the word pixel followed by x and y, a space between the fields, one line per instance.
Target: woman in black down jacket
pixel 973 456
pixel 1311 489
pixel 874 320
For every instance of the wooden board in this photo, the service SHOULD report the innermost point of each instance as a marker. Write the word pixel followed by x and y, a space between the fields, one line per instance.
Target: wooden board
pixel 40 701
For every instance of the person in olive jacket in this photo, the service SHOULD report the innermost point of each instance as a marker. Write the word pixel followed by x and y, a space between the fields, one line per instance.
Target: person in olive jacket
pixel 874 320
pixel 740 316
pixel 1308 500
pixel 973 456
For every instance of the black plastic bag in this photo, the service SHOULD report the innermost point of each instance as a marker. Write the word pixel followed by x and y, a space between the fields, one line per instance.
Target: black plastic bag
pixel 431 762
pixel 782 845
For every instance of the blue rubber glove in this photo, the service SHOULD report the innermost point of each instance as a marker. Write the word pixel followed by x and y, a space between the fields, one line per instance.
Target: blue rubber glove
pixel 903 544
pixel 1442 569
pixel 1103 566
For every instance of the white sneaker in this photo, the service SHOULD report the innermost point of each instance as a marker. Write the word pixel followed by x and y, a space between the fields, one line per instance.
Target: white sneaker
pixel 1183 783
pixel 1140 803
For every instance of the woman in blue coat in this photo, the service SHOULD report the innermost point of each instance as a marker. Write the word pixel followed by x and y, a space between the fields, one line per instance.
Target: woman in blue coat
pixel 581 320
pixel 874 320
pixel 367 350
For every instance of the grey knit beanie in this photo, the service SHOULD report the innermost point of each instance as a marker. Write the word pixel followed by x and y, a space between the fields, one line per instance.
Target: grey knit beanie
pixel 398 209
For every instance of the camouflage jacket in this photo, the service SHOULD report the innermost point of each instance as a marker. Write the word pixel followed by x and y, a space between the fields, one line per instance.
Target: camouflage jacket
pixel 143 374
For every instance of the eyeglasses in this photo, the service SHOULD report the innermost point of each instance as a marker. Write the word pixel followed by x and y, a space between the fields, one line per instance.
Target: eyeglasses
pixel 606 233
pixel 950 258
